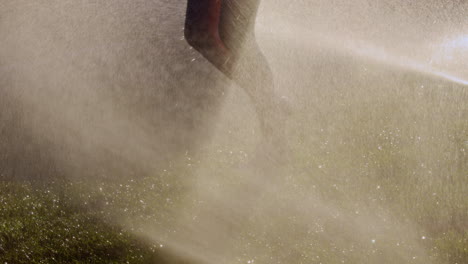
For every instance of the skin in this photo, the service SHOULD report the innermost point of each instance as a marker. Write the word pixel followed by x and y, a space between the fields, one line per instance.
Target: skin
pixel 223 32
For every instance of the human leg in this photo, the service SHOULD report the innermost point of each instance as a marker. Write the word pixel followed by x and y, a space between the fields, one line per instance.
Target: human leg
pixel 223 32
pixel 251 70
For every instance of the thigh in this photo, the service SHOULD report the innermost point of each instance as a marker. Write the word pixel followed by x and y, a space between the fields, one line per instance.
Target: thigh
pixel 197 17
pixel 237 22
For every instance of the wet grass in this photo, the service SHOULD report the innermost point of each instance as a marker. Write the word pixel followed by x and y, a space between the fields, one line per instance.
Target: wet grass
pixel 46 226
pixel 403 156
pixel 71 222
pixel 65 222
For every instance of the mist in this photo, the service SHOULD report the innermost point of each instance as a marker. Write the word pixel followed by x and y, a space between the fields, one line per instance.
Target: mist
pixel 109 93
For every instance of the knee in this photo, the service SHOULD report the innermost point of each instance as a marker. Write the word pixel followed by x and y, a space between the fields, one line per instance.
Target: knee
pixel 196 39
pixel 209 46
pixel 189 36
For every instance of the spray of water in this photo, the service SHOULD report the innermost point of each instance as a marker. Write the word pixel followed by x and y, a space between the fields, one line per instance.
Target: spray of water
pixel 113 88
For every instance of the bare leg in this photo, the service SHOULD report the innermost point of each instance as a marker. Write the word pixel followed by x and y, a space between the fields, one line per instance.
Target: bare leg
pixel 250 69
pixel 223 32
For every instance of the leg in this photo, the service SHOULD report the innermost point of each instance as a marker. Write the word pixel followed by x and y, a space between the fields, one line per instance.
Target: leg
pixel 223 32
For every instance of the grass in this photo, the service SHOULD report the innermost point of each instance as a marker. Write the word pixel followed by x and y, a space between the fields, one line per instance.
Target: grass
pixel 74 222
pixel 47 226
pixel 400 155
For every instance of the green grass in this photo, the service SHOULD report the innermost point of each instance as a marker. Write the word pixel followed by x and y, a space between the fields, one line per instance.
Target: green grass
pixel 46 226
pixel 400 156
pixel 65 222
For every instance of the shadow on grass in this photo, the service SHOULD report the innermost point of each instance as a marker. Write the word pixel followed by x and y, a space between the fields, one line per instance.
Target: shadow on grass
pixel 46 224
